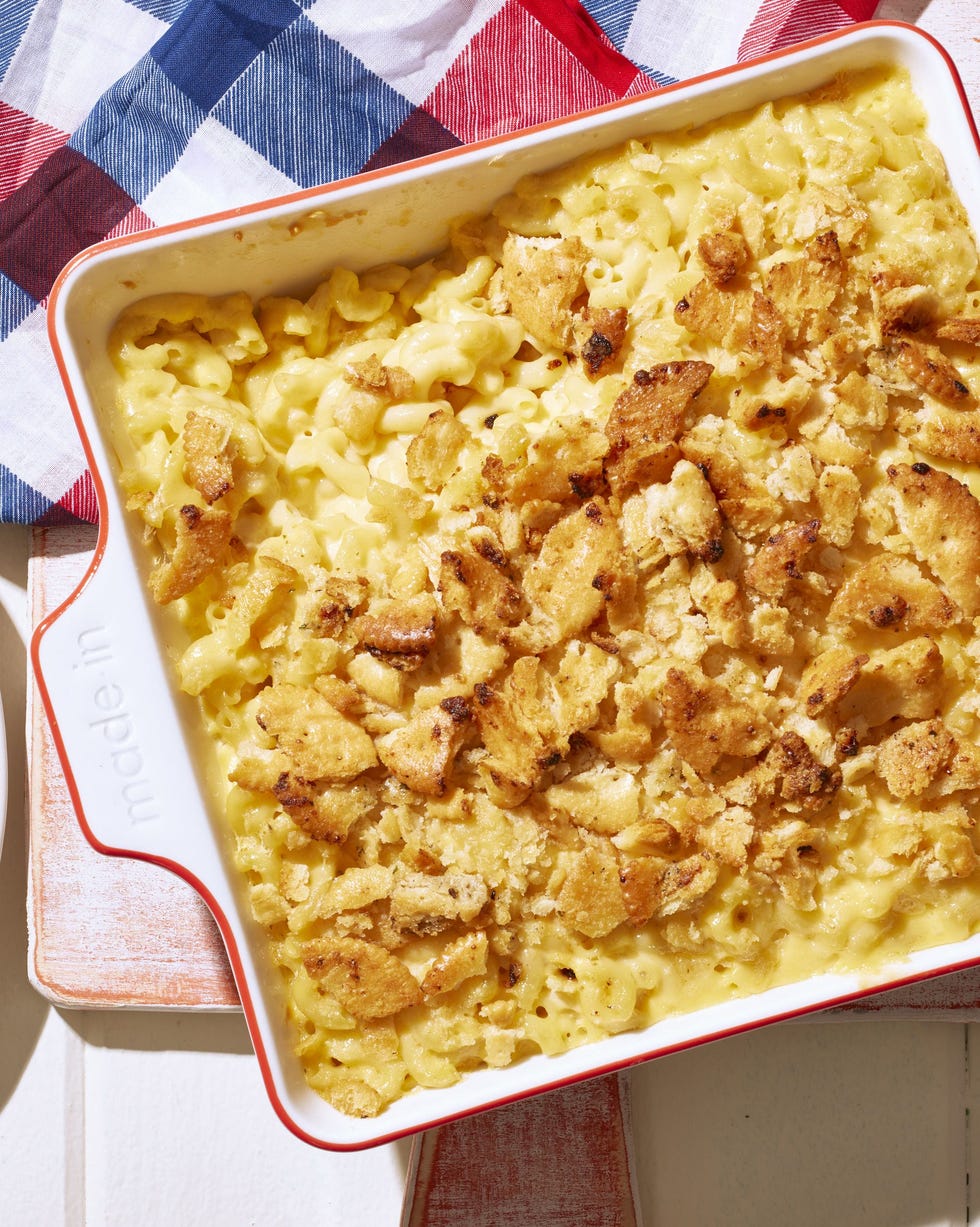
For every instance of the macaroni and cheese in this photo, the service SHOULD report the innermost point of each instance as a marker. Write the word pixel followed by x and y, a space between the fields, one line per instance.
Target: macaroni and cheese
pixel 584 621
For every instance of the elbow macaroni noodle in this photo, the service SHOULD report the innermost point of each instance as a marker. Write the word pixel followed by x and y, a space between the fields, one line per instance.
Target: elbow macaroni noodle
pixel 570 650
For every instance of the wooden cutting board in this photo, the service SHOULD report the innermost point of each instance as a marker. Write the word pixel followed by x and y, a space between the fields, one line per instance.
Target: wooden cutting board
pixel 103 930
pixel 564 1159
pixel 109 931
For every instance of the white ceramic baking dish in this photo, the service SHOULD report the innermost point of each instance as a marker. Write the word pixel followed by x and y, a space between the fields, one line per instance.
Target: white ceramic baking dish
pixel 123 736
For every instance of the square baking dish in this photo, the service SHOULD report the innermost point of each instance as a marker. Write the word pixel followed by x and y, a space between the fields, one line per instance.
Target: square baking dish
pixel 126 739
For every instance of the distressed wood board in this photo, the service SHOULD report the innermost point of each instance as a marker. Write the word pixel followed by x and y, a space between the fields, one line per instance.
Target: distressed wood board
pixel 111 931
pixel 103 930
pixel 563 1159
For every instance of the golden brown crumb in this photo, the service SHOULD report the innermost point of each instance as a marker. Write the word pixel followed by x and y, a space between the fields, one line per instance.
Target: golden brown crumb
pixel 576 571
pixel 372 375
pixel 901 305
pixel 203 538
pixel 941 518
pixel 964 329
pixel 647 419
pixel 421 753
pixel 336 602
pixel 904 681
pixel 800 288
pixel 367 981
pixel 542 279
pixel 890 592
pixel 829 677
pixel 207 464
pixel 458 962
pixel 780 559
pixel 427 903
pixel 652 887
pixel 723 254
pixel 929 368
pixel 433 454
pixel 319 742
pixel 591 898
pixel 705 721
pixel 475 581
pixel 603 332
pixel 910 759
pixel 564 465
pixel 802 780
pixel 399 632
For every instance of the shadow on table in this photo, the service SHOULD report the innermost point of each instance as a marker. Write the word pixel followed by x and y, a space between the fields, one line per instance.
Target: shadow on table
pixel 162 1031
pixel 22 1010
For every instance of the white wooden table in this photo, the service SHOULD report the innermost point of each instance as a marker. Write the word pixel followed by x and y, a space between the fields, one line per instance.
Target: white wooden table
pixel 117 1118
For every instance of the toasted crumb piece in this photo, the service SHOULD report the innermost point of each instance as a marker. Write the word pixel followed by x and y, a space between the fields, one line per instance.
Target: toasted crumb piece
pixel 742 497
pixel 766 331
pixel 828 677
pixel 367 980
pixel 526 722
pixel 646 420
pixel 591 898
pixel 433 455
pixel 372 375
pixel 629 739
pixel 901 306
pixel 859 404
pixel 353 889
pixel 949 434
pixel 426 903
pixel 460 961
pixel 515 726
pixel 603 799
pixel 320 743
pixel 779 560
pixel 949 851
pixel 475 581
pixel 601 334
pixel 800 288
pixel 929 368
pixel 723 254
pixel 801 779
pixel 890 591
pixel 904 681
pixel 941 518
pixel 963 769
pixel 964 329
pixel 399 632
pixel 203 540
pixel 789 854
pixel 323 812
pixel 909 760
pixel 729 836
pixel 705 722
pixel 838 497
pixel 421 753
pixel 578 571
pixel 723 604
pixel 542 279
pixel 683 514
pixel 335 602
pixel 736 319
pixel 565 463
pixel 654 887
pixel 207 463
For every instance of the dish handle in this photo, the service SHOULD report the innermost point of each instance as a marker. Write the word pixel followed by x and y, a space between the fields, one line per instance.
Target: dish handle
pixel 122 743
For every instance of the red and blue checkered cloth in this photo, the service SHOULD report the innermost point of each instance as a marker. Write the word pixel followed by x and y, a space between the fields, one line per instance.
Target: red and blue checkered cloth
pixel 116 115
